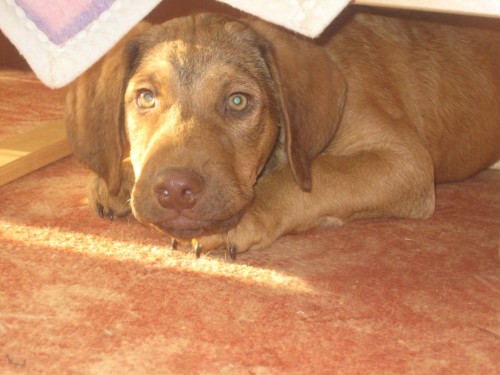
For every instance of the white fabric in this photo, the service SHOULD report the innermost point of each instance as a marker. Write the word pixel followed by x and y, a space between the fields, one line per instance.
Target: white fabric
pixel 307 17
pixel 58 64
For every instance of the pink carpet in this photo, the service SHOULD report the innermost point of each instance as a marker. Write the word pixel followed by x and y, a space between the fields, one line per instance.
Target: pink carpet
pixel 82 295
pixel 25 102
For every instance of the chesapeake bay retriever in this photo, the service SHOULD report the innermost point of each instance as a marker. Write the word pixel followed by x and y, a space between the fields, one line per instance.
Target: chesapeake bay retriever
pixel 236 132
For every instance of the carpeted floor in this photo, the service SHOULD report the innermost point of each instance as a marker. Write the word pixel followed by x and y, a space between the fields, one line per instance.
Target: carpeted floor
pixel 25 102
pixel 81 295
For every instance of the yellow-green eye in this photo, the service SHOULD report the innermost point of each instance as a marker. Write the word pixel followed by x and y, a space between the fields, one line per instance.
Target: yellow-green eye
pixel 237 102
pixel 146 99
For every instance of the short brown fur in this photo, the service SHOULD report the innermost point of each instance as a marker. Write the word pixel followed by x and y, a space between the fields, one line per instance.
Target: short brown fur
pixel 361 124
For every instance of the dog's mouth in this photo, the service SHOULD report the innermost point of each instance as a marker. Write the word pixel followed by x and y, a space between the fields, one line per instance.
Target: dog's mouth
pixel 187 228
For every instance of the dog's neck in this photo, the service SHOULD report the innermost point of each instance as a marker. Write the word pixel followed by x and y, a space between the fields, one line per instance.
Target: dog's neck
pixel 278 155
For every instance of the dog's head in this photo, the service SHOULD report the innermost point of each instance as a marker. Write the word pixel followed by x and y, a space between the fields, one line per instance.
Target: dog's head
pixel 206 105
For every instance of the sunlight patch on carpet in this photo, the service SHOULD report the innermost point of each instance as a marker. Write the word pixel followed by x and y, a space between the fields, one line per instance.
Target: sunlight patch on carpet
pixel 150 255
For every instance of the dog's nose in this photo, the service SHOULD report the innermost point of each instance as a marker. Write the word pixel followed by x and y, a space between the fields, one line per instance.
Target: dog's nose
pixel 178 189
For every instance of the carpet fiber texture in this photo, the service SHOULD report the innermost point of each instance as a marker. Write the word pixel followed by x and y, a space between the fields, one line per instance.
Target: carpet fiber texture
pixel 83 295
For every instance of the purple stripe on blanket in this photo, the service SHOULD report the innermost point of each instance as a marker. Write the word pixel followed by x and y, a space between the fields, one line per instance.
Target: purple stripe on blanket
pixel 61 20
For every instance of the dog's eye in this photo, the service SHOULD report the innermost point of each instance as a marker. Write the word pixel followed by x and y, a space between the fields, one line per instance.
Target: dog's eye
pixel 146 99
pixel 237 102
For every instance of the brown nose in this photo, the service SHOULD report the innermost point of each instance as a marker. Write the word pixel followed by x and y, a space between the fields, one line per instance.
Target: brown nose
pixel 178 189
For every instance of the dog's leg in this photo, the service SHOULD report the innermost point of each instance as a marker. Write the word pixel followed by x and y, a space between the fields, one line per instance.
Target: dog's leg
pixel 105 204
pixel 365 184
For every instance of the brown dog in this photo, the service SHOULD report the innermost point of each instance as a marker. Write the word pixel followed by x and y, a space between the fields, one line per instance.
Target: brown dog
pixel 237 132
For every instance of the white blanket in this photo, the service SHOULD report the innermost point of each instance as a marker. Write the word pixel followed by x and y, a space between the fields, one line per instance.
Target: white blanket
pixel 60 39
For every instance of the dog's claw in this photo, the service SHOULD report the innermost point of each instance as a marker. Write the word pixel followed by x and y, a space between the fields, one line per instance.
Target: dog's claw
pixel 197 250
pixel 233 251
pixel 100 210
pixel 174 244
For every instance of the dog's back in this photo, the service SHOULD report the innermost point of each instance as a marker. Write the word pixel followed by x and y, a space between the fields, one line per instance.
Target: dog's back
pixel 439 74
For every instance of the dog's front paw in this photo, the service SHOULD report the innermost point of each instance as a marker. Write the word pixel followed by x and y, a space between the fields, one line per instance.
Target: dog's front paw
pixel 251 233
pixel 207 244
pixel 104 204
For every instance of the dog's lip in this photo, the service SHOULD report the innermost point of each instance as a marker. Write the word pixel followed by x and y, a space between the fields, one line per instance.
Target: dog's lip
pixel 184 227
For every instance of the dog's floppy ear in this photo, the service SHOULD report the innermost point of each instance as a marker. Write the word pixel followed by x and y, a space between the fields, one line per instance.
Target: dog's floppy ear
pixel 311 93
pixel 95 112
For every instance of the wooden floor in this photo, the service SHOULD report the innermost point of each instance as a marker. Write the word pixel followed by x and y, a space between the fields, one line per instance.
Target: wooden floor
pixel 26 152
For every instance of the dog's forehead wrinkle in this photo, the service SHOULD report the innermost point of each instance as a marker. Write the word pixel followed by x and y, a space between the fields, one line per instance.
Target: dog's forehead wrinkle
pixel 221 40
pixel 193 42
pixel 192 50
pixel 189 61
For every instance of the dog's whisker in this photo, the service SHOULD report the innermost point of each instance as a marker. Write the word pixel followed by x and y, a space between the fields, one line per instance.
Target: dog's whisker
pixel 207 253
